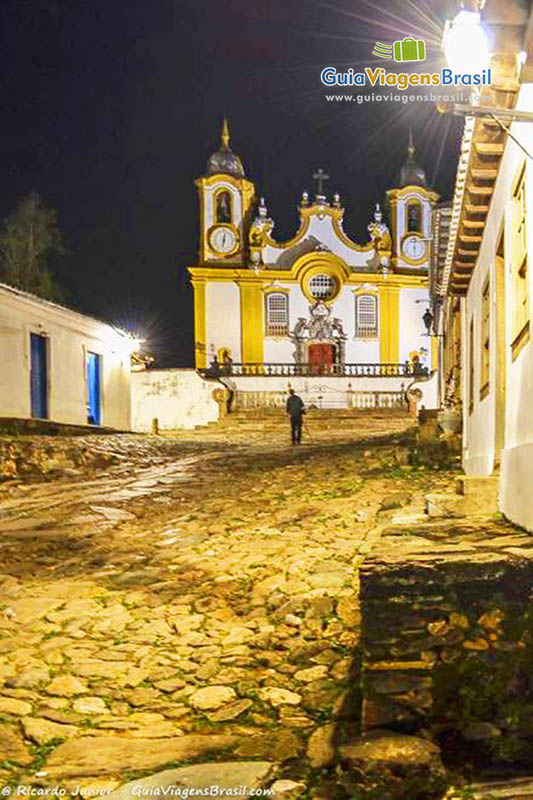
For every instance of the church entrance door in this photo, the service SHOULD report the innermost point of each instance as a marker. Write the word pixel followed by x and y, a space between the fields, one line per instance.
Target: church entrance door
pixel 321 358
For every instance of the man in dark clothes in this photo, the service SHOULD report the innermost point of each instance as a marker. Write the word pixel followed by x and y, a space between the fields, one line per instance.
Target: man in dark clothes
pixel 295 410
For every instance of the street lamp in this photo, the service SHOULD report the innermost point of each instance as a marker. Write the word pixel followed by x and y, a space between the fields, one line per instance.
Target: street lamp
pixel 465 43
pixel 428 321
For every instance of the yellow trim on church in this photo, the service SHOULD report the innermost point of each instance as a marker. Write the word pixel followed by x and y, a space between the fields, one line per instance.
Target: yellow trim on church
pixel 434 352
pixel 267 276
pixel 389 330
pixel 200 337
pixel 405 191
pixel 252 322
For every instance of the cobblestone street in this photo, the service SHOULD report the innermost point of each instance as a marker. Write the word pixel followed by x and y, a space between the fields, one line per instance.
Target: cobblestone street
pixel 176 600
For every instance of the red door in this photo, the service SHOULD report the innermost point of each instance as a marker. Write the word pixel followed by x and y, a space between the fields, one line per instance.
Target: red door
pixel 321 358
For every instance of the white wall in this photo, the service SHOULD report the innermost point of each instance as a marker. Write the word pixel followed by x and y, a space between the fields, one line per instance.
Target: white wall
pixel 479 426
pixel 70 336
pixel 177 398
pixel 413 303
pixel 479 456
pixel 279 349
pixel 223 318
pixel 358 351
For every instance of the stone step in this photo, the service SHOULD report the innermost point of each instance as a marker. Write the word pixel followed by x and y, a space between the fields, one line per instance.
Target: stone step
pixel 513 789
pixel 456 505
pixel 469 485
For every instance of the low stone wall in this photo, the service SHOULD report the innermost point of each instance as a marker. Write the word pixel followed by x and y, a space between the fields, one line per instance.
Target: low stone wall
pixel 175 398
pixel 35 458
pixel 10 426
pixel 447 618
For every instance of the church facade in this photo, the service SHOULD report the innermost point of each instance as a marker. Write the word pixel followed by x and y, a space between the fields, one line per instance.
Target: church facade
pixel 320 303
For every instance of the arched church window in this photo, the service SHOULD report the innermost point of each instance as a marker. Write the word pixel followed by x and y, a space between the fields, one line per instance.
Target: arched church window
pixel 223 207
pixel 414 217
pixel 322 287
pixel 277 314
pixel 366 316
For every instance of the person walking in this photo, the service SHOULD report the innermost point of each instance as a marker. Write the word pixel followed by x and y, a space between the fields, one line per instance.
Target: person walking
pixel 295 410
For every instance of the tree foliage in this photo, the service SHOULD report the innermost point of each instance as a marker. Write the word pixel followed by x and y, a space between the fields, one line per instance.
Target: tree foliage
pixel 29 240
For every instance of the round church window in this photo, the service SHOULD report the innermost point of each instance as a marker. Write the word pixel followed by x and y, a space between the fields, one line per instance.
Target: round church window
pixel 322 287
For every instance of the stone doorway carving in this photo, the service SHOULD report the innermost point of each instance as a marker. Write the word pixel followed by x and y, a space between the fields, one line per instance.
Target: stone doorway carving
pixel 320 340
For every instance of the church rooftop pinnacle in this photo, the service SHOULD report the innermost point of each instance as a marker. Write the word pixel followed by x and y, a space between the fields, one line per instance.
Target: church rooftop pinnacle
pixel 412 174
pixel 224 161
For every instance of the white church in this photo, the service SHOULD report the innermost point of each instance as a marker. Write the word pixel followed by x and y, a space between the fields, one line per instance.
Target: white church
pixel 319 305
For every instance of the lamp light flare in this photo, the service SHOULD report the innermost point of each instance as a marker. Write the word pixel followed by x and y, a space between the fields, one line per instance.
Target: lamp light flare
pixel 465 43
pixel 134 342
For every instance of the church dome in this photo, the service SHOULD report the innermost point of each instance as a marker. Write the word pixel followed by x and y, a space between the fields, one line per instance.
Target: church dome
pixel 411 173
pixel 224 161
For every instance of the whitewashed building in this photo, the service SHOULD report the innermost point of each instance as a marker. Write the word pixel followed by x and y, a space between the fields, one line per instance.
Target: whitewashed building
pixel 484 294
pixel 57 364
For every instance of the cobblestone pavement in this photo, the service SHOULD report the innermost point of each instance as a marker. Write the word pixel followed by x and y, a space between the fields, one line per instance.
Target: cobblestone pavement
pixel 182 599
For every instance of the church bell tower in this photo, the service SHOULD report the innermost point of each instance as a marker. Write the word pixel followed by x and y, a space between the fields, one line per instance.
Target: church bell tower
pixel 411 205
pixel 226 198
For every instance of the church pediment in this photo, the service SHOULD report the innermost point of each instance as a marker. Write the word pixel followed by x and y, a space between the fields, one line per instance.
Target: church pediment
pixel 320 230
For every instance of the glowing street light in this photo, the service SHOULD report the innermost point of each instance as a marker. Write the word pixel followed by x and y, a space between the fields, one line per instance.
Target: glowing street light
pixel 465 43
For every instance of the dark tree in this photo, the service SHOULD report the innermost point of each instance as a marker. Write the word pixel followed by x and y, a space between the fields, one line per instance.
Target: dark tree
pixel 29 240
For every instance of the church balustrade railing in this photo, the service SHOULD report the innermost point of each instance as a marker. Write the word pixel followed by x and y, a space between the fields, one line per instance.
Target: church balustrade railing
pixel 289 370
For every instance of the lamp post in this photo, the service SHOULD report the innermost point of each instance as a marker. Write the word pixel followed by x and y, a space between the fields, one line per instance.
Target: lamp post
pixel 466 49
pixel 465 42
pixel 428 320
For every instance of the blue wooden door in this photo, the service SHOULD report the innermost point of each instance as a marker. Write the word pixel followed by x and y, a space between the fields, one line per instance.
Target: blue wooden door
pixel 94 389
pixel 39 376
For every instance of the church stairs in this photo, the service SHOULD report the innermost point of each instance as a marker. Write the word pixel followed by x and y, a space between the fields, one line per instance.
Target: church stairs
pixel 319 424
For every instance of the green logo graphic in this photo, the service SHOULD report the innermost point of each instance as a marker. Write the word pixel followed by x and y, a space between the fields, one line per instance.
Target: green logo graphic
pixel 382 50
pixel 407 49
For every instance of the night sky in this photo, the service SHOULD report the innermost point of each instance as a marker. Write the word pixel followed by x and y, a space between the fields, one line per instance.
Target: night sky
pixel 111 108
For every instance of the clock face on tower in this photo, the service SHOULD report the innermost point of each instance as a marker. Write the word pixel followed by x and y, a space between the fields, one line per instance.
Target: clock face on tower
pixel 223 240
pixel 414 248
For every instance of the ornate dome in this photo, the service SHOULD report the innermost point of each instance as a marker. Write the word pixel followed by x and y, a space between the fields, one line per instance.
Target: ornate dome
pixel 412 174
pixel 224 161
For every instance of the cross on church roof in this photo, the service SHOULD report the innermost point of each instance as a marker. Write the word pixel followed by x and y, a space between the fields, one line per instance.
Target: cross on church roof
pixel 320 177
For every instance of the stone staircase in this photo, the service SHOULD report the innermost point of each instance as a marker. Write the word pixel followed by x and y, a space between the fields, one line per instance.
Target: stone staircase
pixel 318 421
pixel 271 426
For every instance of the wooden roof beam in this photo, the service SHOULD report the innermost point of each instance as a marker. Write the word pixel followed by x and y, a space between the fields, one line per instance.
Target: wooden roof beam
pixel 470 239
pixel 489 148
pixel 475 209
pixel 477 224
pixel 484 174
pixel 480 190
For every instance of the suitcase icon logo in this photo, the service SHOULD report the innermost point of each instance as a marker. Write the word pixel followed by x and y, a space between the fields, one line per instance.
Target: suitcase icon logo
pixel 407 49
